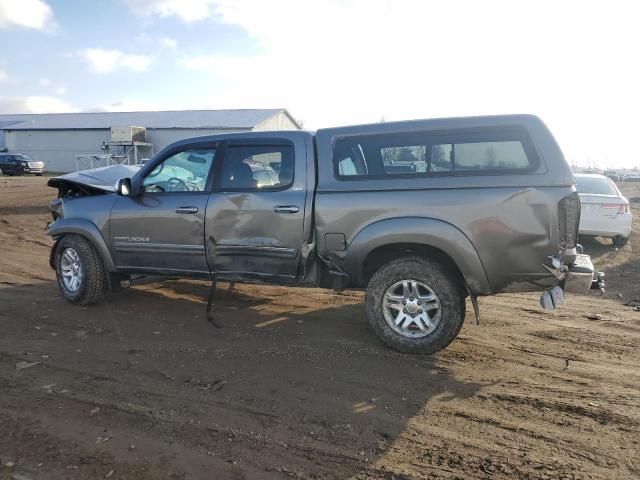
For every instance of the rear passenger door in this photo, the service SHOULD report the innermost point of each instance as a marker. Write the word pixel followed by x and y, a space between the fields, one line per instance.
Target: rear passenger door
pixel 255 216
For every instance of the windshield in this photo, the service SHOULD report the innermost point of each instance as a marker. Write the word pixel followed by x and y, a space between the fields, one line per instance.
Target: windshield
pixel 595 186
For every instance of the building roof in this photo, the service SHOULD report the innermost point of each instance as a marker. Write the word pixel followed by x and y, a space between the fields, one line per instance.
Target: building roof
pixel 214 119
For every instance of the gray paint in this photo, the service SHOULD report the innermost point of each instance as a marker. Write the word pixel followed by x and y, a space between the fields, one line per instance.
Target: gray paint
pixel 499 230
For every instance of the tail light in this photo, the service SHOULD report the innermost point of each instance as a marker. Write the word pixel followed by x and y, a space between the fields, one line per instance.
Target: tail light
pixel 568 219
pixel 622 208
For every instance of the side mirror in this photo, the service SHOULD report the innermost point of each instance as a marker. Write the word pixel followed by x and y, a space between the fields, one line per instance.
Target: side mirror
pixel 123 187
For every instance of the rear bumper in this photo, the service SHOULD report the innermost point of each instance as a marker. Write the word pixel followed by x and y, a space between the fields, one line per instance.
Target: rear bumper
pixel 606 226
pixel 580 277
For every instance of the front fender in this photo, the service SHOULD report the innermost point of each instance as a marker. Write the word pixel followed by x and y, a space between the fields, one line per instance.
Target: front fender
pixel 87 229
pixel 422 231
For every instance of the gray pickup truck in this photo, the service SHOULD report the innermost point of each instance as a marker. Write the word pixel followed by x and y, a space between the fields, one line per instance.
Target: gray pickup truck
pixel 420 214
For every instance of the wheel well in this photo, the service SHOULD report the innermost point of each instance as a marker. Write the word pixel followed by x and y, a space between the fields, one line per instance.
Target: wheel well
pixel 381 255
pixel 113 278
pixel 65 234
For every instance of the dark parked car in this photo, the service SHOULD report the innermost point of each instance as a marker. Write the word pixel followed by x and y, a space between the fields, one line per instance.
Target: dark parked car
pixel 19 164
pixel 492 209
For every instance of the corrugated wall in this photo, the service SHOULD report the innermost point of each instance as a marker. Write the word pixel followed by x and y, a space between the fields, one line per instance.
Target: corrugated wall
pixel 281 121
pixel 163 137
pixel 58 148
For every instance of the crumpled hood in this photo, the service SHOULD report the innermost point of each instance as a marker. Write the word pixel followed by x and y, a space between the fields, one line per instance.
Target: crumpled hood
pixel 103 178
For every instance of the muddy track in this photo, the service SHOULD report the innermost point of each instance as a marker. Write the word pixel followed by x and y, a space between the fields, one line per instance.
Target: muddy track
pixel 296 386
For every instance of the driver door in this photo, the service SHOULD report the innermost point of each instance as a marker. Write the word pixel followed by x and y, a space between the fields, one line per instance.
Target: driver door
pixel 161 229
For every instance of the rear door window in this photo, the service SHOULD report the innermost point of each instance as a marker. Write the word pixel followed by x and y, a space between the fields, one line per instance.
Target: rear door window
pixel 257 167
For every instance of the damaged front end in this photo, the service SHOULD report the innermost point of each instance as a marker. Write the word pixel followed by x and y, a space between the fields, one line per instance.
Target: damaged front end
pixel 86 183
pixel 96 181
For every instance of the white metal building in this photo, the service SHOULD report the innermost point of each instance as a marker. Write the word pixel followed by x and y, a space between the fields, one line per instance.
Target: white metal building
pixel 58 138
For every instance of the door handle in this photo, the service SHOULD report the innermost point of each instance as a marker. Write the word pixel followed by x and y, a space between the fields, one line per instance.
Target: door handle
pixel 187 210
pixel 286 209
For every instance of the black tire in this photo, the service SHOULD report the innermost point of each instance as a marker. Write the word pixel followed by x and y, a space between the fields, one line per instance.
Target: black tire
pixel 443 282
pixel 619 241
pixel 93 283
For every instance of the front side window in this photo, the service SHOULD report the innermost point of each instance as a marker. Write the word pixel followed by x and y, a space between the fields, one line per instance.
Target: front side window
pixel 257 167
pixel 186 171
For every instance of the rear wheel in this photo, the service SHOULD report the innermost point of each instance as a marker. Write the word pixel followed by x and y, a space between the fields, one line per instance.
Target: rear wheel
pixel 80 271
pixel 415 305
pixel 619 241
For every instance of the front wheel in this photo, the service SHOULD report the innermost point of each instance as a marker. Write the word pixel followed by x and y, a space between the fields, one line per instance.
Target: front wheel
pixel 80 271
pixel 415 305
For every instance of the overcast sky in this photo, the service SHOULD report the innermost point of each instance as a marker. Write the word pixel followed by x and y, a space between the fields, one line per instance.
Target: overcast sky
pixel 335 62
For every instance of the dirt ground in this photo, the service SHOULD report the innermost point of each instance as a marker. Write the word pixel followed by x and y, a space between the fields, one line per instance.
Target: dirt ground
pixel 296 385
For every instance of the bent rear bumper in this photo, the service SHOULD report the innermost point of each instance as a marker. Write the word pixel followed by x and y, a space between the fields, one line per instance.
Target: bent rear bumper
pixel 575 278
pixel 580 275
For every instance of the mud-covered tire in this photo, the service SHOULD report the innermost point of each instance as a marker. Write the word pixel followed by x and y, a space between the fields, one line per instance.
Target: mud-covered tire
pixel 93 278
pixel 442 281
pixel 619 241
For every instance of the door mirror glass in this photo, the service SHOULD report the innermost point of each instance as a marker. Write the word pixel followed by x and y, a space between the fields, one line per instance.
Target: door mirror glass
pixel 123 187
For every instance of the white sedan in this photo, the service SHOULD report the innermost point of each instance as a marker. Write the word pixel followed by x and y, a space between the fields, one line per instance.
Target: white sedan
pixel 604 210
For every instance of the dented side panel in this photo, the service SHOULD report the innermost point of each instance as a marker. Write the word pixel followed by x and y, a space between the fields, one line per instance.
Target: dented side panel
pixel 263 234
pixel 512 230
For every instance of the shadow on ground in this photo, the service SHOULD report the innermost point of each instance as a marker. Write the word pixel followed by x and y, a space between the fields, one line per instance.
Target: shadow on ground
pixel 284 388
